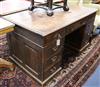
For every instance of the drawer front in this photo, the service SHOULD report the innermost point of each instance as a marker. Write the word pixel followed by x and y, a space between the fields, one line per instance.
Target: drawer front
pixel 53 36
pixel 51 70
pixel 75 26
pixel 52 61
pixel 53 48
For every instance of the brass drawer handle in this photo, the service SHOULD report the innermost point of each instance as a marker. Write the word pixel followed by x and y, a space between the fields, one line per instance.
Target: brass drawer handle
pixel 54 58
pixel 53 69
pixel 54 48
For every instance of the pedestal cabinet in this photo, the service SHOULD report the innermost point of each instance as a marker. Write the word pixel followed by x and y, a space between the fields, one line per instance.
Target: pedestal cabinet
pixel 38 41
pixel 81 36
pixel 41 59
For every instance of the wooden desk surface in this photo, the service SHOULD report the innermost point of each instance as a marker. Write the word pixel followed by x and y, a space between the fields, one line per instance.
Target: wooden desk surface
pixel 11 6
pixel 5 24
pixel 38 22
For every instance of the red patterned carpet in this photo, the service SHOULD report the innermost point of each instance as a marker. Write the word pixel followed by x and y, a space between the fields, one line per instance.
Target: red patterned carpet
pixel 74 75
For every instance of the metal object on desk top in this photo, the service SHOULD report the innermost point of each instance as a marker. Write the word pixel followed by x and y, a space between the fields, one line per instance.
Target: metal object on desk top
pixel 48 5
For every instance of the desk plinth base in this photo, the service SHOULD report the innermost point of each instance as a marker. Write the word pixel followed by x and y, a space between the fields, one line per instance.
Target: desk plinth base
pixel 42 83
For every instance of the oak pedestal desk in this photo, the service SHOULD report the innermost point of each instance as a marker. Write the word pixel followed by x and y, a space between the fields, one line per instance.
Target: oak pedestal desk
pixel 37 41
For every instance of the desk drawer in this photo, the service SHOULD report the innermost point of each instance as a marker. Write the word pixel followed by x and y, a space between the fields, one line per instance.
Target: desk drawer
pixel 55 35
pixel 52 61
pixel 51 70
pixel 75 26
pixel 53 48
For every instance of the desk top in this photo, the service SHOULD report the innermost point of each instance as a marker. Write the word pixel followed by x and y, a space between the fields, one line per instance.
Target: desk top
pixel 38 22
pixel 5 24
pixel 11 6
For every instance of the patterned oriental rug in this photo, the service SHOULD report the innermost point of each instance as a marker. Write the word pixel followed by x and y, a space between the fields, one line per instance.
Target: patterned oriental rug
pixel 74 75
pixel 4 49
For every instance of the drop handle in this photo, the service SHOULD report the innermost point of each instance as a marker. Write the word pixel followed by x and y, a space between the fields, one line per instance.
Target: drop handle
pixel 54 58
pixel 53 69
pixel 55 48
